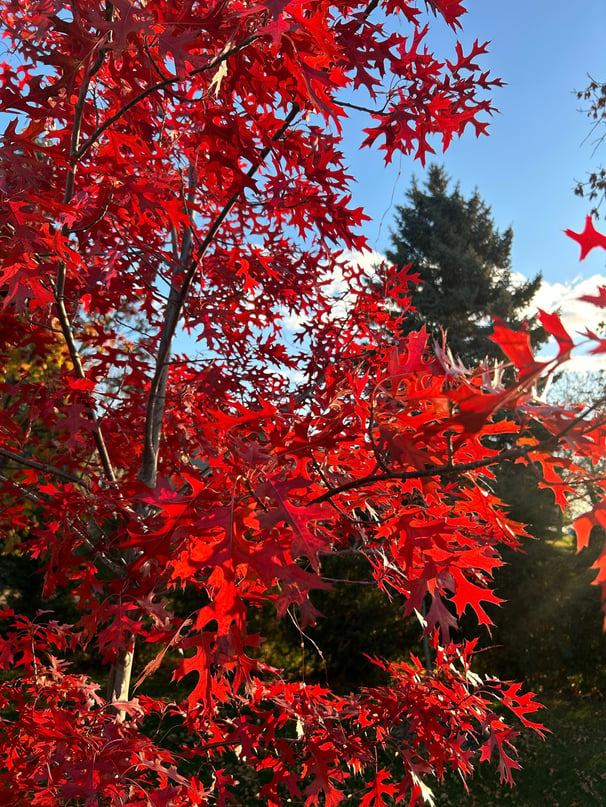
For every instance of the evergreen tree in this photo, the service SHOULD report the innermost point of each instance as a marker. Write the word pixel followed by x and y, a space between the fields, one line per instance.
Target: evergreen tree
pixel 464 264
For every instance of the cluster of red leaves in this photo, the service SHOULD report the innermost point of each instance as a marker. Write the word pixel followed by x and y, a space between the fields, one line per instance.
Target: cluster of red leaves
pixel 176 163
pixel 67 746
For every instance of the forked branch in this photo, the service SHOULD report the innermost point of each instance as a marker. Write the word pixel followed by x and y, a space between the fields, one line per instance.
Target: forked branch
pixel 174 309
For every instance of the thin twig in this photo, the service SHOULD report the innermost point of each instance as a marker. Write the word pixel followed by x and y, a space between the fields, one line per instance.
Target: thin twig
pixel 351 582
pixel 115 568
pixel 119 571
pixel 27 494
pixel 45 467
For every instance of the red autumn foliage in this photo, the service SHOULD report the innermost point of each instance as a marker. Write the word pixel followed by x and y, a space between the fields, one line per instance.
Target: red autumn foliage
pixel 589 239
pixel 174 165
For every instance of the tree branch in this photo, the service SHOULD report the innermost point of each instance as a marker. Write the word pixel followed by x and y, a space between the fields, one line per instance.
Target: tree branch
pixel 64 321
pixel 176 301
pixel 84 147
pixel 45 467
pixel 370 8
pixel 448 469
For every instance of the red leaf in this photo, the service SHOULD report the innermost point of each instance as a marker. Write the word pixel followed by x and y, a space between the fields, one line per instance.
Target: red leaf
pixel 553 325
pixel 584 524
pixel 514 344
pixel 381 791
pixel 306 543
pixel 588 239
pixel 468 594
pixel 439 614
pixel 598 299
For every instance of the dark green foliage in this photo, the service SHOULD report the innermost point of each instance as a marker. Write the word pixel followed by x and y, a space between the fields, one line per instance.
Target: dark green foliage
pixel 564 770
pixel 358 623
pixel 464 264
pixel 21 585
pixel 548 632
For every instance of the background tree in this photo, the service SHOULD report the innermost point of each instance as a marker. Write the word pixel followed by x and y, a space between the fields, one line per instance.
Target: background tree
pixel 464 265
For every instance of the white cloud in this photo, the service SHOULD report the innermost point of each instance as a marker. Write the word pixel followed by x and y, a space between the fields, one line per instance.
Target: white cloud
pixel 552 296
pixel 576 317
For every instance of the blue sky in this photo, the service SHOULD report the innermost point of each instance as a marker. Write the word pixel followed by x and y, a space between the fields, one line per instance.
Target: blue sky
pixel 526 168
